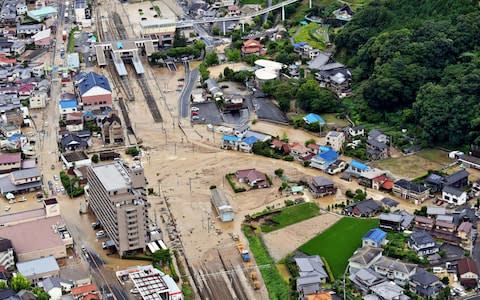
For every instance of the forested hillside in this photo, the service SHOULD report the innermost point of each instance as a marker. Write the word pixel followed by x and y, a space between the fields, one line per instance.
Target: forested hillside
pixel 417 65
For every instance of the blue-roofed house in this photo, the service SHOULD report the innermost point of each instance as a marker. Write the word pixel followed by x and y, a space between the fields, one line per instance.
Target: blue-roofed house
pixel 374 238
pixel 38 269
pixel 95 91
pixel 230 142
pixel 324 159
pixel 246 144
pixel 314 118
pixel 67 106
pixel 357 168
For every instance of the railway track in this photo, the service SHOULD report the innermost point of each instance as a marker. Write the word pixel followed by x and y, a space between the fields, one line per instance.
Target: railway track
pixel 152 104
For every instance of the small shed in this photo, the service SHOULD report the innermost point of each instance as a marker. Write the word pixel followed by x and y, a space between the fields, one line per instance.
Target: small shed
pixel 222 205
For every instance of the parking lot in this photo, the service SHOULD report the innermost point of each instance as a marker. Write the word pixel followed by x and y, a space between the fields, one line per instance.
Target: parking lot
pixel 267 110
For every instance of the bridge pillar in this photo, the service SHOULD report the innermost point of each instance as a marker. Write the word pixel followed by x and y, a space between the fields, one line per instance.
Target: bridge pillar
pixel 283 13
pixel 224 29
pixel 243 27
pixel 310 4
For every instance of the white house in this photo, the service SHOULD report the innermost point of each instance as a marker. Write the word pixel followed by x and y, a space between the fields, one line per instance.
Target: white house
pixel 21 9
pixel 394 269
pixel 38 99
pixel 454 196
pixel 335 140
pixel 356 131
pixel 53 288
pixel 76 159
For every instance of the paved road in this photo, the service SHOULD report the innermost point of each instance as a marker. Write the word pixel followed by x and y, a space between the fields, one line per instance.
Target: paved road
pixel 190 81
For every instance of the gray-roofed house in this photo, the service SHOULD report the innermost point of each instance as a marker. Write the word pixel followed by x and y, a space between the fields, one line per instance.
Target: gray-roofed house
pixel 38 269
pixel 453 195
pixel 213 88
pixel 21 181
pixel 458 179
pixel 319 61
pixel 364 258
pixel 378 136
pixel 311 273
pixel 377 150
pixel 423 243
pixel 425 284
pixel 52 287
pixel 76 274
pixel 354 131
pixel 72 142
pixel 394 269
pixel 434 182
pixel 26 295
pixel 366 278
pixel 8 294
pixel 388 290
pixel 365 208
pixel 398 221
pixel 222 205
pixel 321 186
pixel 410 191
pixel 434 211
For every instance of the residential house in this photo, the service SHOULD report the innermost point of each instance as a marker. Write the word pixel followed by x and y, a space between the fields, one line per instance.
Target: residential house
pixel 314 148
pixel 74 121
pixel 83 291
pixel 241 130
pixel 457 180
pixel 469 161
pixel 435 211
pixel 336 167
pixel 374 238
pixel 314 118
pixel 252 47
pixel 367 178
pixel 67 107
pixel 10 161
pixel 377 150
pixel 434 182
pixel 280 146
pixel 382 182
pixel 298 150
pixel 354 131
pixel 425 284
pixel 230 142
pixel 76 274
pixel 364 279
pixel 14 117
pixel 38 99
pixel 52 287
pixel 321 186
pixel 422 243
pixel 444 226
pixel 307 51
pixel 388 290
pixel 246 144
pixel 233 11
pixel 336 77
pixel 95 91
pixel 25 180
pixel 39 269
pixel 410 191
pixel 252 177
pixel 424 223
pixel 8 294
pixel 26 295
pixel 72 142
pixel 324 160
pixel 465 233
pixel 75 160
pixel 7 256
pixel 112 130
pixel 364 258
pixel 453 195
pixel 8 130
pixel 335 139
pixel 378 136
pixel 397 221
pixel 395 269
pixel 311 273
pixel 358 168
pixel 365 208
pixel 467 272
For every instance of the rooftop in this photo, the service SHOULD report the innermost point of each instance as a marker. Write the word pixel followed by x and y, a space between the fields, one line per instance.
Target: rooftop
pixel 376 235
pixel 113 176
pixel 75 156
pixel 38 266
pixel 34 236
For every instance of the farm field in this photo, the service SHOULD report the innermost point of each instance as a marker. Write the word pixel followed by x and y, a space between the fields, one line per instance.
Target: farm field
pixel 337 243
pixel 409 167
pixel 291 215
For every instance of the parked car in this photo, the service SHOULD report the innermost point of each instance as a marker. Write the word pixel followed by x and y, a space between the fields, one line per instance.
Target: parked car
pixel 194 113
pixel 100 234
pixel 134 291
pixel 96 225
pixel 55 177
pixel 195 118
pixel 194 108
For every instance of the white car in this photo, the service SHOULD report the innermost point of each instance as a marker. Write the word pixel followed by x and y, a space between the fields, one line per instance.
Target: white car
pixel 55 177
pixel 194 108
pixel 134 291
pixel 100 234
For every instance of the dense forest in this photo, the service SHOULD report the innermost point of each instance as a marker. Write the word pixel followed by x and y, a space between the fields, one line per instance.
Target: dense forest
pixel 416 65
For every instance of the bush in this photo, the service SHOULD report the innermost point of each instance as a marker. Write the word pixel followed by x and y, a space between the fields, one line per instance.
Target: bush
pixel 279 172
pixel 289 202
pixel 213 187
pixel 132 151
pixel 150 191
pixel 306 163
pixel 349 194
pixel 231 181
pixel 288 158
pixel 95 158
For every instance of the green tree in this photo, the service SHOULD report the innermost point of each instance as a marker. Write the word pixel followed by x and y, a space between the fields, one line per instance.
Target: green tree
pixel 162 257
pixel 310 141
pixel 95 158
pixel 445 280
pixel 233 55
pixel 3 285
pixel 20 282
pixel 132 151
pixel 279 172
pixel 179 40
pixel 211 59
pixel 204 72
pixel 40 293
pixel 312 98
